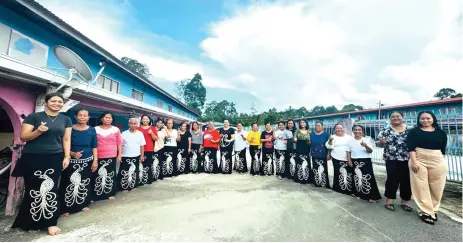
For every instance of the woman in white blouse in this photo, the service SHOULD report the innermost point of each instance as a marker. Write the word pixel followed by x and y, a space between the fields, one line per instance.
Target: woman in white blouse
pixel 359 157
pixel 169 167
pixel 339 144
pixel 241 163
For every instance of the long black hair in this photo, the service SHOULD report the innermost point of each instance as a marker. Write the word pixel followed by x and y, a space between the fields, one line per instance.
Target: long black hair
pixel 150 122
pixel 306 124
pixel 294 127
pixel 197 123
pixel 51 95
pixel 103 115
pixel 434 124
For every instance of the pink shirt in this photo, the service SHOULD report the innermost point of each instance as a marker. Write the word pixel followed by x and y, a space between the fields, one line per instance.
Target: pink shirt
pixel 108 140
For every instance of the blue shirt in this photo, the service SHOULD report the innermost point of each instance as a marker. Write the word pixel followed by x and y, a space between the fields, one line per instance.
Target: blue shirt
pixel 318 149
pixel 84 141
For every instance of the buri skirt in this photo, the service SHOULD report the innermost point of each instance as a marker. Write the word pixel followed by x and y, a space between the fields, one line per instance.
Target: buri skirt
pixel 40 207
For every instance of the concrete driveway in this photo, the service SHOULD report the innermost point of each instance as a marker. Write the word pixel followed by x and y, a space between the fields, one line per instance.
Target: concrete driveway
pixel 240 208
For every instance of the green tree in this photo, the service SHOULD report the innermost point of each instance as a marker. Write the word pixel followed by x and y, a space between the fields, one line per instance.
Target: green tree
pixel 192 92
pixel 446 93
pixel 331 109
pixel 136 66
pixel 318 110
pixel 220 111
pixel 351 107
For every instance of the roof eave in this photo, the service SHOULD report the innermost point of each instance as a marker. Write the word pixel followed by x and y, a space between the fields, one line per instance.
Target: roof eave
pixel 60 24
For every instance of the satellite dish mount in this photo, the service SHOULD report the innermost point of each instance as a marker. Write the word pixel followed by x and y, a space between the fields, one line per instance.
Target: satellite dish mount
pixel 74 64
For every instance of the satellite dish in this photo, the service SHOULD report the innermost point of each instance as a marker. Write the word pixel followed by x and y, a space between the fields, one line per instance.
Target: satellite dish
pixel 73 63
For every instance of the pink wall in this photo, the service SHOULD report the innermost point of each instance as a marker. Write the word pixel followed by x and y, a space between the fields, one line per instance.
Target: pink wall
pixel 99 104
pixel 16 100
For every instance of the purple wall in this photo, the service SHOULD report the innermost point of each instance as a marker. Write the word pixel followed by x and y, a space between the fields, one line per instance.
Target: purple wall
pixel 16 100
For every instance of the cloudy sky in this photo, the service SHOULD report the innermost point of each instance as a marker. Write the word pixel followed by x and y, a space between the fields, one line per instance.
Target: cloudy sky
pixel 281 53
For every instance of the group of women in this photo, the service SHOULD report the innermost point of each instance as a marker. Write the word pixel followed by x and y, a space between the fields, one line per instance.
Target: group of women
pixel 66 167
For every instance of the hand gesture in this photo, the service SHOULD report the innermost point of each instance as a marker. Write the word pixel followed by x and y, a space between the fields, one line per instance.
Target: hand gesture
pixel 331 138
pixel 94 165
pixel 350 163
pixel 141 159
pixel 77 155
pixel 65 163
pixel 42 128
pixel 149 131
pixel 119 159
pixel 382 140
pixel 363 144
pixel 189 150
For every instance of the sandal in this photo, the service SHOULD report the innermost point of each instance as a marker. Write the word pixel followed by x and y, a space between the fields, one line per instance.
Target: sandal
pixel 390 207
pixel 426 218
pixel 406 207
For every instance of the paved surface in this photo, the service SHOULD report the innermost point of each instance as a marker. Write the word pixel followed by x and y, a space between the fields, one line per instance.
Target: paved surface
pixel 240 208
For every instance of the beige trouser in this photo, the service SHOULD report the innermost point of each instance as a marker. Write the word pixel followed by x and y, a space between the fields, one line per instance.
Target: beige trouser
pixel 429 182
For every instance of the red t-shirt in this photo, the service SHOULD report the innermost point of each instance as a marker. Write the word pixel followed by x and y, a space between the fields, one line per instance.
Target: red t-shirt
pixel 209 135
pixel 149 147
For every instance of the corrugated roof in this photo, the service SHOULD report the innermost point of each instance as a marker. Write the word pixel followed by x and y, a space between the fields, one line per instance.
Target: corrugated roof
pixel 34 6
pixel 417 104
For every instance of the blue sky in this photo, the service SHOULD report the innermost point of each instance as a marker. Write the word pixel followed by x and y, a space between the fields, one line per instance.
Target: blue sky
pixel 281 53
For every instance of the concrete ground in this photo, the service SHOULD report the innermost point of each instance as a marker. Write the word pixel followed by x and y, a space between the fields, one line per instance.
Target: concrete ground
pixel 241 208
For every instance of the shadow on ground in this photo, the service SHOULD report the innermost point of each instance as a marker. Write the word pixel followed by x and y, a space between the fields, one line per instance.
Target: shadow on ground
pixel 240 208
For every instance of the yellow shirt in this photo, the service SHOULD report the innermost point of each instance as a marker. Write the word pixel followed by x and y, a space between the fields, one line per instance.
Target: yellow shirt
pixel 253 138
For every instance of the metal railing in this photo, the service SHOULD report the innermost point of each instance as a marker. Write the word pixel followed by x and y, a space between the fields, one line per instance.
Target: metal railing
pixel 451 124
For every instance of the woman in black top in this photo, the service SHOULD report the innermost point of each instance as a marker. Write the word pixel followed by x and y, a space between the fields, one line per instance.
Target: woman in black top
pixel 183 149
pixel 303 173
pixel 227 135
pixel 47 152
pixel 426 145
pixel 266 137
pixel 290 169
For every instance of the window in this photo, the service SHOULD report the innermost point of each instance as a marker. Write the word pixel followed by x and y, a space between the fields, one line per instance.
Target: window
pixel 169 108
pixel 22 47
pixel 108 84
pixel 160 104
pixel 138 95
pixel 5 35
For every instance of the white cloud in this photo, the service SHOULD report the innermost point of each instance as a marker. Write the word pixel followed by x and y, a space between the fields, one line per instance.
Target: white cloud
pixel 108 28
pixel 441 61
pixel 301 53
pixel 334 52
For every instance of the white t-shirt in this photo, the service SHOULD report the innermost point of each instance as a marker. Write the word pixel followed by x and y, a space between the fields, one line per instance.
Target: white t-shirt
pixel 357 151
pixel 339 147
pixel 281 138
pixel 172 140
pixel 240 143
pixel 131 143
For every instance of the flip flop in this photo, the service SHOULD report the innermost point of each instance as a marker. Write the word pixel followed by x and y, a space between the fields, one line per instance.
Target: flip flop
pixel 390 207
pixel 426 218
pixel 406 208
